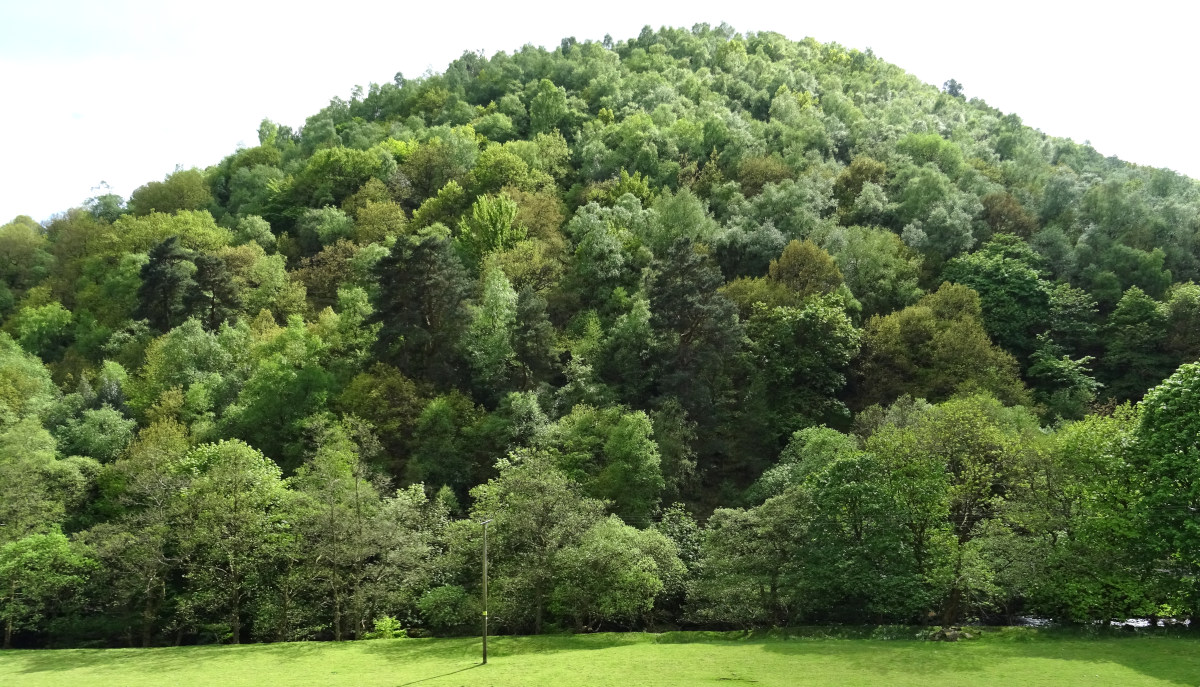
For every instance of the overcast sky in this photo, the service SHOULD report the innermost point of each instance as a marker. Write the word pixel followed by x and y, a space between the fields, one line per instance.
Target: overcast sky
pixel 124 90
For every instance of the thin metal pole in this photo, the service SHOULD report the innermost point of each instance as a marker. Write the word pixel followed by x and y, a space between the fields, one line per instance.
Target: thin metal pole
pixel 485 593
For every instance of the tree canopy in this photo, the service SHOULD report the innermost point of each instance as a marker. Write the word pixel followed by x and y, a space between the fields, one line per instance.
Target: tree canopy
pixel 718 328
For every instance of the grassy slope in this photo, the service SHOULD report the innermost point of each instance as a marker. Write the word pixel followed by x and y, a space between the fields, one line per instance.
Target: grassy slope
pixel 627 660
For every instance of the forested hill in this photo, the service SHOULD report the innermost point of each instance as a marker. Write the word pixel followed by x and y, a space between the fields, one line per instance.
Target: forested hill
pixel 875 341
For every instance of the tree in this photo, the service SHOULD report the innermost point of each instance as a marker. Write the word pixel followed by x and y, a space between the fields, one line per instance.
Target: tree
pixel 25 385
pixel 323 227
pixel 535 341
pixel 797 359
pixel 1073 315
pixel 136 548
pixel 1005 214
pixel 808 451
pixel 537 512
pixel 866 561
pixel 1135 354
pixel 614 574
pixel 1168 453
pixel 289 383
pixel 183 190
pixel 166 280
pixel 1183 316
pixel 879 269
pixel 745 556
pixel 101 433
pixel 1014 299
pixel 977 449
pixel 195 230
pixel 337 521
pixel 489 339
pixel 696 328
pixel 932 350
pixel 213 297
pixel 24 258
pixel 1062 384
pixel 548 107
pixel 332 175
pixel 421 308
pixel 392 403
pixel 37 491
pixel 207 367
pixel 231 512
pixel 611 453
pixel 44 331
pixel 1084 517
pixel 443 438
pixel 806 269
pixel 490 227
pixel 37 573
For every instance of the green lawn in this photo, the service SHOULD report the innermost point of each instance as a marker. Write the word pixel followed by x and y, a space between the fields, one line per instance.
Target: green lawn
pixel 629 660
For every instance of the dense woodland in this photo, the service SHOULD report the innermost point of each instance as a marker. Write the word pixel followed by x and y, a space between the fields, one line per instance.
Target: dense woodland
pixel 720 330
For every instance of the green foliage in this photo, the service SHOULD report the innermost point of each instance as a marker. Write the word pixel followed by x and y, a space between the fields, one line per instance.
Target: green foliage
pixel 324 226
pixel 44 331
pixel 231 510
pixel 37 573
pixel 612 454
pixel 421 309
pixel 536 513
pixel 636 269
pixel 331 175
pixel 797 359
pixel 289 382
pixel 449 610
pixel 1168 453
pixel 213 297
pixel 24 258
pixel 489 338
pixel 183 190
pixel 195 231
pixel 101 434
pixel 880 271
pixel 809 451
pixel 1135 334
pixel 806 269
pixel 548 107
pixel 1062 384
pixel 613 574
pixel 1013 297
pixel 489 228
pixel 38 491
pixel 25 385
pixel 445 442
pixel 166 280
pixel 386 627
pixel 932 350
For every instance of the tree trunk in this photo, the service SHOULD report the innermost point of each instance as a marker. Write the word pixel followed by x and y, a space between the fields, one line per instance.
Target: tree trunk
pixel 950 612
pixel 337 616
pixel 8 625
pixel 147 620
pixel 236 621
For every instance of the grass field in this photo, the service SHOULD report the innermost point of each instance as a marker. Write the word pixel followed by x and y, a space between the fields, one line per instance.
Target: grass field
pixel 1009 657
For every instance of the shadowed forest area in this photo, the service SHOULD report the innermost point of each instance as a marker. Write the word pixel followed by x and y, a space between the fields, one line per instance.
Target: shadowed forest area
pixel 721 331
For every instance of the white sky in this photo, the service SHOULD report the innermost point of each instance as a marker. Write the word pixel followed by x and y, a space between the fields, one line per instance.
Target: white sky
pixel 125 90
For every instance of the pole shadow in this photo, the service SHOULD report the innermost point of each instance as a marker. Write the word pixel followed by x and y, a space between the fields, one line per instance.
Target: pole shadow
pixel 434 677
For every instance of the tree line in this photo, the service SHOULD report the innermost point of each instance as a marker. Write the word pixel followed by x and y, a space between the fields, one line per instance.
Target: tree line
pixel 719 329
